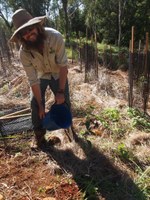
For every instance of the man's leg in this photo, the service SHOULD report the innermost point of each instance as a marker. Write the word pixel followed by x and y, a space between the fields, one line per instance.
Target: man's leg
pixel 36 121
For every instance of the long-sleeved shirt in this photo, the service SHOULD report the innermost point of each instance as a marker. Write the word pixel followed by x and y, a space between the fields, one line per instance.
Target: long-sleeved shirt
pixel 44 66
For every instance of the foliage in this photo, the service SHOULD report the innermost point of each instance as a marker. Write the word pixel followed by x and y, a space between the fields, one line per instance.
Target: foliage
pixel 36 8
pixel 4 89
pixel 113 121
pixel 143 181
pixel 2 24
pixel 89 187
pixel 139 119
pixel 123 152
pixel 110 20
pixel 107 118
pixel 111 114
pixel 110 119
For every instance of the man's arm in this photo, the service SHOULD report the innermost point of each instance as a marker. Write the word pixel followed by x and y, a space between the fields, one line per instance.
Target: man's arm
pixel 61 60
pixel 63 77
pixel 60 96
pixel 37 94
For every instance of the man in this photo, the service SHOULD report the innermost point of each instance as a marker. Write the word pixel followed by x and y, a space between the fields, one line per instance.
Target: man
pixel 43 56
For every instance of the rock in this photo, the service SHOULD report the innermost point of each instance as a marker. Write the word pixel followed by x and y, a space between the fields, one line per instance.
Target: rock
pixel 53 140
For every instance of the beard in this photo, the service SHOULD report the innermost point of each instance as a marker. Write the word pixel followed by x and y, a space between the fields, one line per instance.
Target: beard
pixel 37 43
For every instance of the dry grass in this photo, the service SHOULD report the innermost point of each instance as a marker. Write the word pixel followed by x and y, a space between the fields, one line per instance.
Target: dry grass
pixel 107 160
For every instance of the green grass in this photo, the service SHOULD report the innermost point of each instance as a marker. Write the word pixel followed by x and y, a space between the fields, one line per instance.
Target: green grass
pixel 102 48
pixel 118 125
pixel 139 119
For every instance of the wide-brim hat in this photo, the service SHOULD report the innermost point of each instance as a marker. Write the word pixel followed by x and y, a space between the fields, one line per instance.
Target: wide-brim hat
pixel 22 19
pixel 59 117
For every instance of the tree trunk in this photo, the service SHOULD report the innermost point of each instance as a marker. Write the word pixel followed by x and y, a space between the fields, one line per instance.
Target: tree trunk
pixel 119 22
pixel 65 5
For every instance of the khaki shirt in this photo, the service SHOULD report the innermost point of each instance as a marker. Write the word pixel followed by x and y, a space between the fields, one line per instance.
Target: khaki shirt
pixel 44 66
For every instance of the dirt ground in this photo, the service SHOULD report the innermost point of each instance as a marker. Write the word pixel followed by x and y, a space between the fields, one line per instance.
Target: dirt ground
pixel 26 174
pixel 67 170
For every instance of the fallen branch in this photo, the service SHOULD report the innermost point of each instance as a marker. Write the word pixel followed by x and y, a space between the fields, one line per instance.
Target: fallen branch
pixel 14 116
pixel 15 113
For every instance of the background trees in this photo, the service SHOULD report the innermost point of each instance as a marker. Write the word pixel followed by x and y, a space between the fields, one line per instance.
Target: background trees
pixel 110 20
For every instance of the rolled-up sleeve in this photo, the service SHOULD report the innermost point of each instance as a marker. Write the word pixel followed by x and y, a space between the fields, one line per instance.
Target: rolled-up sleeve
pixel 28 67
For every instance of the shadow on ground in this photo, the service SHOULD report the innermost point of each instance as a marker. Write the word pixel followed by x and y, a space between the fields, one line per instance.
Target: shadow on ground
pixel 96 176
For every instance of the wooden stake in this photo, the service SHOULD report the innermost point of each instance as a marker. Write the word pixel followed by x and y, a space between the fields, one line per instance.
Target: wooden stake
pixel 15 113
pixel 132 40
pixel 146 75
pixel 131 47
pixel 15 116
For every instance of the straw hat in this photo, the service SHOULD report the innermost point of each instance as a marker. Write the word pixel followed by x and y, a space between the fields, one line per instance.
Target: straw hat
pixel 21 19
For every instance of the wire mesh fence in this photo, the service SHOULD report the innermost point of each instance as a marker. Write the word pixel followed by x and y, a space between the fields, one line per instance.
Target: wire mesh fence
pixel 21 124
pixel 136 63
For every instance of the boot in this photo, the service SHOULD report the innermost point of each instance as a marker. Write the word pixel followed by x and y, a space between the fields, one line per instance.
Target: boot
pixel 39 140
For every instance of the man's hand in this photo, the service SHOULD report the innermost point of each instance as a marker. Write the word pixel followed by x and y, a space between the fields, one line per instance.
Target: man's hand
pixel 41 112
pixel 59 98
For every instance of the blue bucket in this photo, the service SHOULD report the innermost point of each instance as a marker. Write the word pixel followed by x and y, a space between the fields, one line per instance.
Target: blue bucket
pixel 58 117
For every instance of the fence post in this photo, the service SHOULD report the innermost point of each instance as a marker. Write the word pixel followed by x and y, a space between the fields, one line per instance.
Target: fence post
pixel 146 76
pixel 131 53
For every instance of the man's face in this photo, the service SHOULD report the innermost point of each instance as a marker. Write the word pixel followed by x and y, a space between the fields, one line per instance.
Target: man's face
pixel 29 34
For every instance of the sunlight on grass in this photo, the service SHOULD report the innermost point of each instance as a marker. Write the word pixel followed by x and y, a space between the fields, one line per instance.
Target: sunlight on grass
pixel 143 181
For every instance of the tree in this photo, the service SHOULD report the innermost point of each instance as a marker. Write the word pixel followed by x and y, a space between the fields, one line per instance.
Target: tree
pixel 5 20
pixel 110 20
pixel 65 8
pixel 4 13
pixel 121 7
pixel 35 7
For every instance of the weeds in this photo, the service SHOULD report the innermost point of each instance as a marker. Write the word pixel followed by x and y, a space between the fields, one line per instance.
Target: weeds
pixel 89 187
pixel 111 114
pixel 5 89
pixel 109 118
pixel 139 119
pixel 41 190
pixel 143 181
pixel 114 121
pixel 123 152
